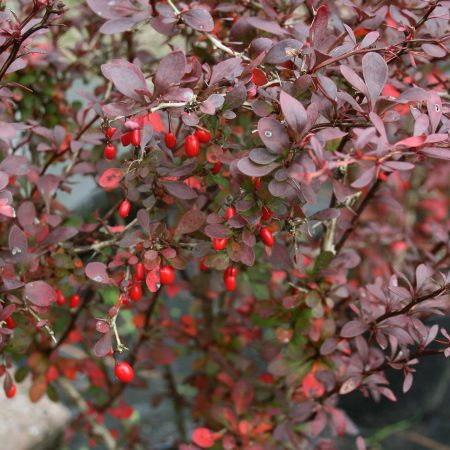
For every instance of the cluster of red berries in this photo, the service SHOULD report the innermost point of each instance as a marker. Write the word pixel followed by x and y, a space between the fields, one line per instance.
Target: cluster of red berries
pixel 74 300
pixel 135 292
pixel 191 143
pixel 132 137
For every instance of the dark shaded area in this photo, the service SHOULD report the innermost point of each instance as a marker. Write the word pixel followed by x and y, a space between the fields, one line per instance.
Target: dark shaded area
pixel 419 420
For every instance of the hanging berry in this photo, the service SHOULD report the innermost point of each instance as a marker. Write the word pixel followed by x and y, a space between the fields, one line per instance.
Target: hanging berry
pixel 170 140
pixel 139 272
pixel 203 136
pixel 135 292
pixel 124 372
pixel 267 236
pixel 110 151
pixel 192 145
pixel 166 275
pixel 124 209
pixel 135 138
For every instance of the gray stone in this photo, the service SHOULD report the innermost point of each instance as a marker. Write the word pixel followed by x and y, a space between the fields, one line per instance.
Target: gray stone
pixel 30 426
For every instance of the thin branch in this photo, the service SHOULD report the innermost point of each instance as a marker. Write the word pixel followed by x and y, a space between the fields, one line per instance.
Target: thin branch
pixel 98 429
pixel 437 293
pixel 357 215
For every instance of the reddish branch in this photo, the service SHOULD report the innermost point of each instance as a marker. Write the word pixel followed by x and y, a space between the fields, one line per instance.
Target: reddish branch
pixel 17 43
pixel 437 293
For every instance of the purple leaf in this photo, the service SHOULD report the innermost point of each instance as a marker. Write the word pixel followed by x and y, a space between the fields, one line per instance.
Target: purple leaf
pixel 262 156
pixel 279 53
pixel 96 271
pixel 103 346
pixel 126 77
pixel 325 214
pixel 4 180
pixel 144 220
pixel 435 51
pixel 354 79
pixel 434 107
pixel 60 234
pixel 40 293
pixel 273 134
pixel 217 231
pixel 226 70
pixel 170 72
pixel 369 39
pixel 212 104
pixel 102 326
pixel 269 26
pixel 190 221
pixel 365 178
pixel 293 111
pixel 318 32
pixel 247 167
pixel 47 185
pixel 328 346
pixel 15 165
pixel 353 328
pixel 375 73
pixel 117 25
pixel 180 190
pixel 407 383
pixel 17 242
pixel 236 97
pixel 436 152
pixel 199 19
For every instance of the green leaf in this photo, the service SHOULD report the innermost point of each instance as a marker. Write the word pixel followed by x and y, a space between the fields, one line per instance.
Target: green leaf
pixel 52 393
pixel 322 262
pixel 21 374
pixel 110 294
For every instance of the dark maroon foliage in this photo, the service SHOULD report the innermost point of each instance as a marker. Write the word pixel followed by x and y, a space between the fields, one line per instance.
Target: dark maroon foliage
pixel 277 168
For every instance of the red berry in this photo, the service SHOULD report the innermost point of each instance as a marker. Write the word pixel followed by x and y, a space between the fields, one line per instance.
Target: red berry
pixel 256 181
pixel 230 271
pixel 12 391
pixel 203 266
pixel 267 236
pixel 135 292
pixel 52 374
pixel 219 244
pixel 203 136
pixel 74 301
pixel 10 323
pixel 139 273
pixel 230 212
pixel 60 299
pixel 266 213
pixel 110 151
pixel 124 372
pixel 192 145
pixel 126 139
pixel 166 275
pixel 230 284
pixel 216 169
pixel 124 209
pixel 170 140
pixel 110 132
pixel 136 138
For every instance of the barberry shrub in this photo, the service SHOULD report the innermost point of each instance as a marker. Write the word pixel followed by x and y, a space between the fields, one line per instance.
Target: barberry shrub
pixel 275 176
